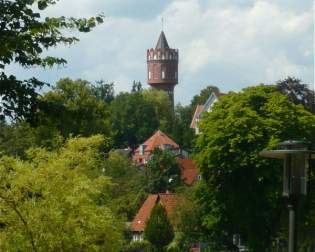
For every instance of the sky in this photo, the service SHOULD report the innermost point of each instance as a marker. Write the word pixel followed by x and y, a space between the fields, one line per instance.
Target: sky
pixel 231 44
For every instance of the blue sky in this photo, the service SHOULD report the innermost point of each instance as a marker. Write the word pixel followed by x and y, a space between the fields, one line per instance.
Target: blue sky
pixel 228 43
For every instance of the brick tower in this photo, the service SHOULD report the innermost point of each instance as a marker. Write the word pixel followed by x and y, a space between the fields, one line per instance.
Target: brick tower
pixel 163 67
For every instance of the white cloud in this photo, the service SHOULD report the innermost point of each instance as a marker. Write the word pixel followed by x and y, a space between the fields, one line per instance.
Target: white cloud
pixel 230 43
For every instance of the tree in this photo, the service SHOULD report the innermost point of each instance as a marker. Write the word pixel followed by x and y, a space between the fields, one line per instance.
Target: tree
pixel 158 223
pixel 181 130
pixel 186 218
pixel 297 92
pixel 136 87
pixel 104 91
pixel 17 138
pixel 203 96
pixel 162 172
pixel 127 192
pixel 51 202
pixel 24 36
pixel 72 108
pixel 240 191
pixel 134 116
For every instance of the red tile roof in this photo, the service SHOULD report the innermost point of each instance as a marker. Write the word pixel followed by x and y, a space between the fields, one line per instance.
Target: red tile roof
pixel 197 113
pixel 168 200
pixel 189 170
pixel 143 214
pixel 159 139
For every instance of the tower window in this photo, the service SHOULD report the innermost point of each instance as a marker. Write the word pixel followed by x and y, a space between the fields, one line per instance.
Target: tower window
pixel 155 56
pixel 149 75
pixel 163 56
pixel 163 74
pixel 175 75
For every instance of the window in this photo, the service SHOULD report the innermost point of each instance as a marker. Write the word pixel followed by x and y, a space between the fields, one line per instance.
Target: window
pixel 175 75
pixel 163 56
pixel 149 75
pixel 155 56
pixel 163 74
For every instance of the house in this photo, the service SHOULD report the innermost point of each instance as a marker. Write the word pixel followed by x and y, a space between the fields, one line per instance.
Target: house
pixel 189 170
pixel 200 109
pixel 158 140
pixel 168 201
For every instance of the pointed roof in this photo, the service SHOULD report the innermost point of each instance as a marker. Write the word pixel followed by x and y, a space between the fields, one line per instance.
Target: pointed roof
pixel 162 42
pixel 198 111
pixel 168 201
pixel 158 140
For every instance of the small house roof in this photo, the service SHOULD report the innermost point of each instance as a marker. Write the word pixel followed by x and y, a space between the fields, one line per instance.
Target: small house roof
pixel 158 139
pixel 168 201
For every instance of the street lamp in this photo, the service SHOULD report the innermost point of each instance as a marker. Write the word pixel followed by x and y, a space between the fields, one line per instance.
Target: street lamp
pixel 296 157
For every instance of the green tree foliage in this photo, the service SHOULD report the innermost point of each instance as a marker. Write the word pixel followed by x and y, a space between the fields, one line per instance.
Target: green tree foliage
pixel 24 37
pixel 72 108
pixel 186 217
pixel 202 97
pixel 162 172
pixel 16 138
pixel 104 91
pixel 181 130
pixel 127 193
pixel 240 191
pixel 158 229
pixel 136 87
pixel 297 92
pixel 134 116
pixel 51 201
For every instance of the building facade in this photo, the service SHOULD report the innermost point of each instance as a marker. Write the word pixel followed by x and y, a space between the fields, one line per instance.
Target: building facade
pixel 162 62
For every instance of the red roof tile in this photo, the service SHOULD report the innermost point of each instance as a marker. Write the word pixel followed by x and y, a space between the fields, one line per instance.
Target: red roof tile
pixel 189 170
pixel 143 214
pixel 159 139
pixel 168 200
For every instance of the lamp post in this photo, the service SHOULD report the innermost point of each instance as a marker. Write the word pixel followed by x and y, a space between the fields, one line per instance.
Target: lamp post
pixel 296 157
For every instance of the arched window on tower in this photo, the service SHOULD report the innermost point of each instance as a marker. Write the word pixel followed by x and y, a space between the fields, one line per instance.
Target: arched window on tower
pixel 155 56
pixel 149 75
pixel 163 56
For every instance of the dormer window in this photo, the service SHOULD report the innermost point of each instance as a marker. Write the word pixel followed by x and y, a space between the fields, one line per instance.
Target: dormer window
pixel 142 149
